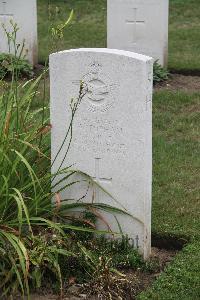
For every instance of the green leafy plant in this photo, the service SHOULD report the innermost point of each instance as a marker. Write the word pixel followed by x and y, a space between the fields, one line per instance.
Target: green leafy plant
pixel 25 184
pixel 106 281
pixel 159 73
pixel 14 65
pixel 57 31
pixel 44 251
pixel 9 62
pixel 123 254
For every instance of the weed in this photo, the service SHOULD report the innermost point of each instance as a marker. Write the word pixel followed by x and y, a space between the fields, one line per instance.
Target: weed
pixel 107 282
pixel 8 63
pixel 159 73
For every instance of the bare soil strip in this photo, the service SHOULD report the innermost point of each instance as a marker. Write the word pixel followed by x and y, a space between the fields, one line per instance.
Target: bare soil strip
pixel 176 82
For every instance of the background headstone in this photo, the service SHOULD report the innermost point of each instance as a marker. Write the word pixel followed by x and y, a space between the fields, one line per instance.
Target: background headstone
pixel 140 26
pixel 24 13
pixel 112 132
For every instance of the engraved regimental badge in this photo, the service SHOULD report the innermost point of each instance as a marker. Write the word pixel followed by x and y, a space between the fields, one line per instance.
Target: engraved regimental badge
pixel 99 88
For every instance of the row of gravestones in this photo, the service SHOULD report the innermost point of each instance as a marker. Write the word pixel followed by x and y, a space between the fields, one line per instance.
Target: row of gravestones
pixel 112 130
pixel 140 26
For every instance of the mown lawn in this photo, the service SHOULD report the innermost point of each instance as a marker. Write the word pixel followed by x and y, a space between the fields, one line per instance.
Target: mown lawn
pixel 176 161
pixel 88 29
pixel 176 193
pixel 184 35
pixel 181 278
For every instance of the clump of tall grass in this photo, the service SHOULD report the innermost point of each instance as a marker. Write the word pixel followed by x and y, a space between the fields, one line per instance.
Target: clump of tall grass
pixel 31 236
pixel 25 179
pixel 26 207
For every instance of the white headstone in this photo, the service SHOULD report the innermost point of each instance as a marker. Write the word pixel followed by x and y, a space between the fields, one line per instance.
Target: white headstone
pixel 24 14
pixel 140 26
pixel 112 132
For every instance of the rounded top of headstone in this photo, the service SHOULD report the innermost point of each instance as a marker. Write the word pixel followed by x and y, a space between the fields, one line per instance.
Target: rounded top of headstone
pixel 124 53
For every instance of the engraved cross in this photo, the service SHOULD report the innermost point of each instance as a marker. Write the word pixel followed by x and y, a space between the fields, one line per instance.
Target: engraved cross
pixel 135 22
pixel 99 179
pixel 4 10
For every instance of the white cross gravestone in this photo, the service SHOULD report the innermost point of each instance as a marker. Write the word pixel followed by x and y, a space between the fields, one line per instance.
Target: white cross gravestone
pixel 24 14
pixel 112 132
pixel 140 26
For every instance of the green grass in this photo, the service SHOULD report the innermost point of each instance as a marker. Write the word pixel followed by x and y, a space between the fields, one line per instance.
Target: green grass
pixel 181 279
pixel 184 35
pixel 88 29
pixel 176 192
pixel 176 164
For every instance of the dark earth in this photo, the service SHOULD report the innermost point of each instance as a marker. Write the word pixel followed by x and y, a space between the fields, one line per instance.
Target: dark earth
pixel 138 280
pixel 180 82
